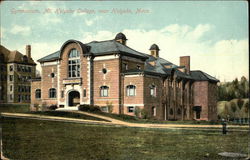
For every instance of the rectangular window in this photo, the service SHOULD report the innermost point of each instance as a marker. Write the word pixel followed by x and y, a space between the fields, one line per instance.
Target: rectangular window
pixel 131 109
pixel 11 87
pixel 131 90
pixel 19 98
pixel 11 67
pixel 62 94
pixel 104 109
pixel 11 97
pixel 84 93
pixel 10 77
pixel 125 66
pixel 104 91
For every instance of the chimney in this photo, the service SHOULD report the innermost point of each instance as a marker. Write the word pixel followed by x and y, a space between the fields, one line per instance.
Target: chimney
pixel 185 61
pixel 154 50
pixel 28 51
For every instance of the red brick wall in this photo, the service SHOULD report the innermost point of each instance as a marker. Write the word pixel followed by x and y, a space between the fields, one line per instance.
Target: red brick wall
pixel 200 91
pixel 48 82
pixel 150 101
pixel 110 79
pixel 34 86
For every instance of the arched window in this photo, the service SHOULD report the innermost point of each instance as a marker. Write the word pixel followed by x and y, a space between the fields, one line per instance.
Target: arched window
pixel 104 91
pixel 131 90
pixel 38 93
pixel 74 63
pixel 171 111
pixel 153 90
pixel 52 93
pixel 153 111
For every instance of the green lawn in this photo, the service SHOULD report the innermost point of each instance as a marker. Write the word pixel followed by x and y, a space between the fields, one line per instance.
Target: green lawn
pixel 14 108
pixel 34 139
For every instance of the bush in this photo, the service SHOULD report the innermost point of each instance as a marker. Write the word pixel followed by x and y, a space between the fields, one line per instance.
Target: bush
pixel 137 111
pixel 110 107
pixel 89 108
pixel 144 114
pixel 52 107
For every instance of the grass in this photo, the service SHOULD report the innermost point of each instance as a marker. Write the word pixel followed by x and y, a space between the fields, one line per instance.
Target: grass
pixel 34 139
pixel 67 114
pixel 14 108
pixel 134 119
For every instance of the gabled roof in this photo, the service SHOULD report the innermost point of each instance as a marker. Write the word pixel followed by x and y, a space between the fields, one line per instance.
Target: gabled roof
pixel 202 76
pixel 15 56
pixel 50 57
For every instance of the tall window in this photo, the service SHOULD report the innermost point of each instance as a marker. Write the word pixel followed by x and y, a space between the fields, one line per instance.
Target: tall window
pixel 74 63
pixel 153 111
pixel 104 91
pixel 52 93
pixel 131 90
pixel 38 93
pixel 153 90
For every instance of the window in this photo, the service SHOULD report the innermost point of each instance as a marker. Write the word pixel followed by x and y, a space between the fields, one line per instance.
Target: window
pixel 25 59
pixel 125 66
pixel 11 87
pixel 11 67
pixel 29 69
pixel 138 67
pixel 74 63
pixel 38 93
pixel 10 77
pixel 19 98
pixel 52 93
pixel 171 111
pixel 153 111
pixel 52 75
pixel 1 57
pixel 153 90
pixel 104 91
pixel 84 93
pixel 104 70
pixel 131 109
pixel 62 94
pixel 11 97
pixel 131 90
pixel 18 68
pixel 104 109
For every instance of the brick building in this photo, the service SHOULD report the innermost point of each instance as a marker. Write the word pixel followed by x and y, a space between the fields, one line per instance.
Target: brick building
pixel 16 70
pixel 109 73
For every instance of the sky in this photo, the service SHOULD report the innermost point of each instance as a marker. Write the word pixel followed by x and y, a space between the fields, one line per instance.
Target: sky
pixel 213 33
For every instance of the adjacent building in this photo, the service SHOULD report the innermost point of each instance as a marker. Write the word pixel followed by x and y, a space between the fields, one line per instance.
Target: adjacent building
pixel 109 73
pixel 16 71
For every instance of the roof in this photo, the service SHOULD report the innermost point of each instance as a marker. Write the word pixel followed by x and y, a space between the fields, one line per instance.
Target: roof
pixel 153 65
pixel 50 57
pixel 202 76
pixel 15 56
pixel 99 48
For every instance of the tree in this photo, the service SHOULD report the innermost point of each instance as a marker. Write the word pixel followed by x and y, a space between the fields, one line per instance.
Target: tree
pixel 233 108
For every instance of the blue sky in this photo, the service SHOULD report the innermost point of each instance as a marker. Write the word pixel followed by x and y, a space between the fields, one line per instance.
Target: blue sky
pixel 214 34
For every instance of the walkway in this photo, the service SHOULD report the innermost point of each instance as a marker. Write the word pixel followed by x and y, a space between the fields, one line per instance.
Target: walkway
pixel 113 121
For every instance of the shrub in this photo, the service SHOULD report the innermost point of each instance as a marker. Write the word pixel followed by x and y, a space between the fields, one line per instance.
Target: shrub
pixel 89 108
pixel 52 107
pixel 137 111
pixel 144 114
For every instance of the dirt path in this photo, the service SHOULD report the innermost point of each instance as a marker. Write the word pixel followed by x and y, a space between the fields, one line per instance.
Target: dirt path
pixel 113 121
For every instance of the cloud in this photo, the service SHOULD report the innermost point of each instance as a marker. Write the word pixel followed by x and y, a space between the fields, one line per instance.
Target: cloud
pixel 91 21
pixel 23 30
pixel 224 59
